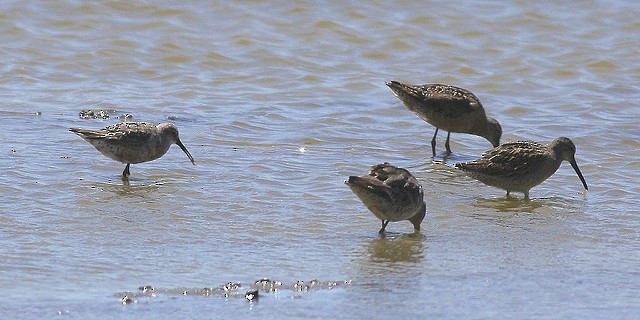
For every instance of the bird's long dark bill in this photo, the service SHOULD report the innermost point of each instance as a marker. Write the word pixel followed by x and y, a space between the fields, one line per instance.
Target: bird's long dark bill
pixel 575 167
pixel 185 151
pixel 398 89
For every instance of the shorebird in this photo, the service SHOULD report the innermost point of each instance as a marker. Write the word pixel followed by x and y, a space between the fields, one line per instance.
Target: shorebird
pixel 133 142
pixel 520 166
pixel 391 193
pixel 449 108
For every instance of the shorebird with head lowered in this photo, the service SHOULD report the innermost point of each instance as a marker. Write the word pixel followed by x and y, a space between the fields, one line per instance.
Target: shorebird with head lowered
pixel 391 193
pixel 520 166
pixel 449 108
pixel 133 142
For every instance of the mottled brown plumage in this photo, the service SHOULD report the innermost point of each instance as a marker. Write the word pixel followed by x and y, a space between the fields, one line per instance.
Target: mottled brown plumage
pixel 449 108
pixel 391 193
pixel 133 142
pixel 520 166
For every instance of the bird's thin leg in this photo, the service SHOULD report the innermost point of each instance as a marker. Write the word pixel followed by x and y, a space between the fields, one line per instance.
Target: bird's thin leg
pixel 446 144
pixel 126 173
pixel 384 225
pixel 433 143
pixel 526 195
pixel 508 196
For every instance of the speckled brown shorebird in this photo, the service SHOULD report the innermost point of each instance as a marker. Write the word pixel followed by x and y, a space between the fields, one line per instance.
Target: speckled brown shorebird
pixel 449 108
pixel 133 142
pixel 520 166
pixel 391 193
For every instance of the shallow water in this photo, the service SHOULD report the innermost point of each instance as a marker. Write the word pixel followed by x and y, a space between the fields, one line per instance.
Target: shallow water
pixel 278 104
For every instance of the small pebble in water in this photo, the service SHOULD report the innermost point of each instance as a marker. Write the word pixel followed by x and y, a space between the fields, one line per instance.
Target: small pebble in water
pixel 252 295
pixel 146 288
pixel 300 286
pixel 126 300
pixel 231 286
pixel 313 283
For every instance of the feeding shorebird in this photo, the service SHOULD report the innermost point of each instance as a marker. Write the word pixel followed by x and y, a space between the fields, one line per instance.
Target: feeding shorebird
pixel 391 193
pixel 520 166
pixel 448 108
pixel 133 142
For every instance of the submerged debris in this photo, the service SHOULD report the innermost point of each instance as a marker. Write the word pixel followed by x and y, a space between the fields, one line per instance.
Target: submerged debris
pixel 300 286
pixel 267 285
pixel 232 290
pixel 231 286
pixel 146 288
pixel 103 114
pixel 95 114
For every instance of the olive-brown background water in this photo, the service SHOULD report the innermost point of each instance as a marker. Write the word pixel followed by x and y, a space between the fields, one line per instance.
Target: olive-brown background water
pixel 279 103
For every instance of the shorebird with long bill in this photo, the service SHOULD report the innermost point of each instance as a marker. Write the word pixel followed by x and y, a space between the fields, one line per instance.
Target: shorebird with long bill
pixel 133 142
pixel 520 166
pixel 391 194
pixel 448 108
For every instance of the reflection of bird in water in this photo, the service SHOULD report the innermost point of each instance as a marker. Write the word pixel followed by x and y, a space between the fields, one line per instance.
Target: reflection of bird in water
pixel 520 166
pixel 508 208
pixel 449 108
pixel 133 142
pixel 405 248
pixel 391 193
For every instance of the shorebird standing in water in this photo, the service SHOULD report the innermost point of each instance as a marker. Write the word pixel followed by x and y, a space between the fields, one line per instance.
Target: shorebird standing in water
pixel 391 193
pixel 449 108
pixel 520 166
pixel 133 142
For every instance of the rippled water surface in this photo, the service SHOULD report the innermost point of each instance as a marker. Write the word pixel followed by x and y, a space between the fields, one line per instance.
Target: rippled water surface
pixel 278 104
